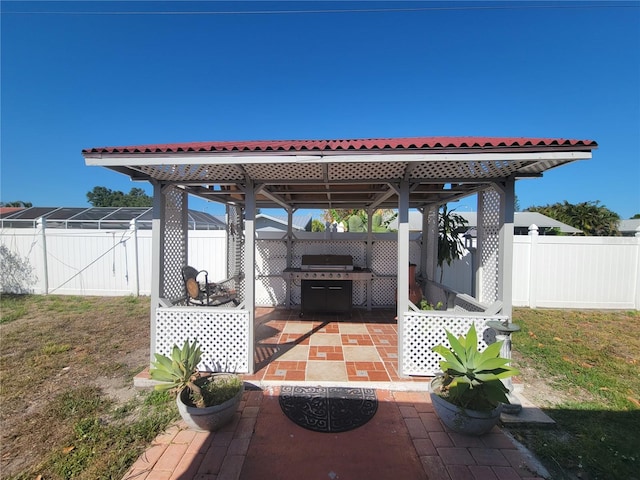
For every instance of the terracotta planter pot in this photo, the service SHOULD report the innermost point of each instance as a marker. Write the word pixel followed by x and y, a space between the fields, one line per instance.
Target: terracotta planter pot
pixel 207 419
pixel 462 420
pixel 415 292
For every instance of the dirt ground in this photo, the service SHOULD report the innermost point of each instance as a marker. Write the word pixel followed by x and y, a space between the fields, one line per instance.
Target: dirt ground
pixel 539 390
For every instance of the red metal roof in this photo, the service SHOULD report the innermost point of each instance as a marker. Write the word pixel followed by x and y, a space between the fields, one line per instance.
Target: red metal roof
pixel 8 210
pixel 369 144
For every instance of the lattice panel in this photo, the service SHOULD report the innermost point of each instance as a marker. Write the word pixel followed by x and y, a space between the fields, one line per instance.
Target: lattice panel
pixel 359 294
pixel 383 291
pixel 542 166
pixel 296 293
pixel 462 305
pixel 192 172
pixel 367 171
pixel 271 257
pixel 423 331
pixel 235 248
pixel 489 219
pixel 356 249
pixel 482 169
pixel 277 171
pixel 384 258
pixel 222 333
pixel 270 291
pixel 175 242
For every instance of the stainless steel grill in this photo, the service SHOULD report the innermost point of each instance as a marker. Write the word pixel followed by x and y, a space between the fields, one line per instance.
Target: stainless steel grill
pixel 330 267
pixel 327 282
pixel 339 263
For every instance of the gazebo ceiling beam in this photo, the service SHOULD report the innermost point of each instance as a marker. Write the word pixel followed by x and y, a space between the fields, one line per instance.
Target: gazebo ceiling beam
pixel 383 197
pixel 274 198
pixel 322 190
pixel 354 199
pixel 322 185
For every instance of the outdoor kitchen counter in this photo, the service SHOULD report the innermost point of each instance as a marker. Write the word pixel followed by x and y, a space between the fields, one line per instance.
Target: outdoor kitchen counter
pixel 357 274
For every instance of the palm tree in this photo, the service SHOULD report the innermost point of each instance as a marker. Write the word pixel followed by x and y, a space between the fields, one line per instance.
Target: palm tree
pixel 590 217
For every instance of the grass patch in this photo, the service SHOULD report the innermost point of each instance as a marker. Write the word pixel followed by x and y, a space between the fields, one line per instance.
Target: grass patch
pixel 12 307
pixel 591 358
pixel 64 364
pixel 53 348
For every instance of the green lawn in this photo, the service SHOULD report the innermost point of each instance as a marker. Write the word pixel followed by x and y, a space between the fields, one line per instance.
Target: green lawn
pixel 591 359
pixel 60 353
pixel 67 406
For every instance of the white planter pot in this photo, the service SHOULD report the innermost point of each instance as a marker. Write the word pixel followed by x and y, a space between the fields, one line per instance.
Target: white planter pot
pixel 207 419
pixel 462 420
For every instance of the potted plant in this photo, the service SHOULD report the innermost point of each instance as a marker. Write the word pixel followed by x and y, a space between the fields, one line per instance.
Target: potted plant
pixel 450 245
pixel 469 396
pixel 205 402
pixel 426 305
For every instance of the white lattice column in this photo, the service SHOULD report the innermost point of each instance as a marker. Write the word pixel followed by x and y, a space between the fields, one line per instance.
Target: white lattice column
pixel 250 263
pixel 505 249
pixel 235 248
pixel 488 245
pixel 168 249
pixel 175 238
pixel 403 263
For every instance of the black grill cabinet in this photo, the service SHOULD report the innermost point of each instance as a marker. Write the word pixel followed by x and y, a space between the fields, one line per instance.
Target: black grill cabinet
pixel 326 296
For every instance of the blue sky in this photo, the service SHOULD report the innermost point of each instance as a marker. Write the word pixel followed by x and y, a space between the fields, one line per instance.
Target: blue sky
pixel 87 74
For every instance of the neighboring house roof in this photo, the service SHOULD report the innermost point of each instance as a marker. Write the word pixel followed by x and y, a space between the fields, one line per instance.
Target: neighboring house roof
pixel 8 210
pixel 100 218
pixel 521 220
pixel 525 220
pixel 279 222
pixel 629 227
pixel 418 143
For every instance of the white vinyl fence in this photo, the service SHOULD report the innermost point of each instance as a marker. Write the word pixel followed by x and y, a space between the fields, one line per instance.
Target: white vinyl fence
pixel 565 272
pixel 100 262
pixel 576 272
pixel 548 271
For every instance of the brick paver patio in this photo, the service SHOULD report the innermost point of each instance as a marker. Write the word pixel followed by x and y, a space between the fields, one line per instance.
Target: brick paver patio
pixel 404 440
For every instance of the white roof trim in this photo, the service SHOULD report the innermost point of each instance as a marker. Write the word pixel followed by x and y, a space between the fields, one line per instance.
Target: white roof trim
pixel 119 159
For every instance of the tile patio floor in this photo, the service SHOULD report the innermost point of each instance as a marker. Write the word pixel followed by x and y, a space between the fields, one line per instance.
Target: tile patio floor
pixel 327 348
pixel 404 441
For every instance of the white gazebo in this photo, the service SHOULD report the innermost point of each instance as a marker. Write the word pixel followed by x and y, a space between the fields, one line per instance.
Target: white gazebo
pixel 400 173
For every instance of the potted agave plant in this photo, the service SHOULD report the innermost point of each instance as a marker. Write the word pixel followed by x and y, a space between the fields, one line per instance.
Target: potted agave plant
pixel 205 402
pixel 469 396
